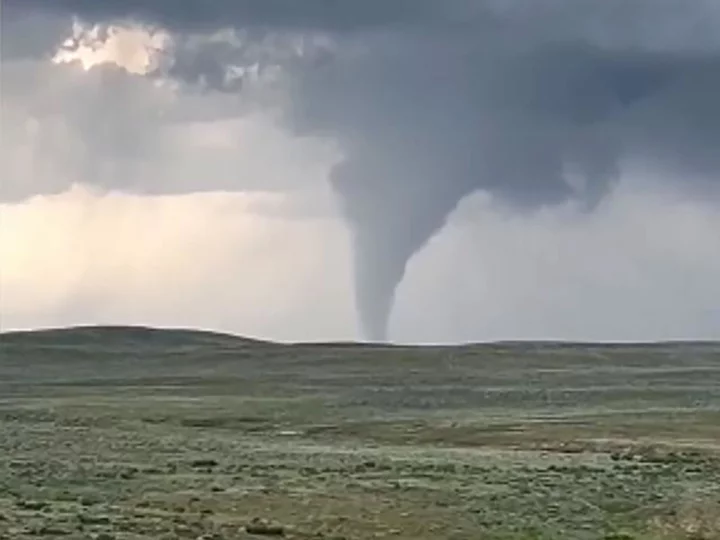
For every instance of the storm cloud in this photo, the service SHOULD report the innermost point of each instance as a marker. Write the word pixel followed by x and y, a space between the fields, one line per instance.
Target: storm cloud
pixel 533 103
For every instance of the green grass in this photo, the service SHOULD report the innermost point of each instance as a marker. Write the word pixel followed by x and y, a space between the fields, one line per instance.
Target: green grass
pixel 139 433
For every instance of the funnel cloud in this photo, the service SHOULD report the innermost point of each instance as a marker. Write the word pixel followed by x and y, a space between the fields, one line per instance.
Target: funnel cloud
pixel 533 103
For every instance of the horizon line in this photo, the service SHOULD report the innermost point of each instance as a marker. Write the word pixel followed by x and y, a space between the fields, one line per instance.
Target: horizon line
pixel 223 333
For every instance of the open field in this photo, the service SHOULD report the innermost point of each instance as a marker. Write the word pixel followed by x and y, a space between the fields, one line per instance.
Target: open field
pixel 118 433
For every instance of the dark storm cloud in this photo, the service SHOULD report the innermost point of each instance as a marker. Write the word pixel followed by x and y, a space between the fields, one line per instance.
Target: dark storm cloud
pixel 198 15
pixel 426 126
pixel 534 102
pixel 655 23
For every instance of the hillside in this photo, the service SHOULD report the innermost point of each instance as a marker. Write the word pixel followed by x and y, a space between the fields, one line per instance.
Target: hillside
pixel 146 433
pixel 123 337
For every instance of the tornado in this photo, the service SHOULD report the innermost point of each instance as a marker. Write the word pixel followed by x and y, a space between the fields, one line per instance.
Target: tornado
pixel 389 222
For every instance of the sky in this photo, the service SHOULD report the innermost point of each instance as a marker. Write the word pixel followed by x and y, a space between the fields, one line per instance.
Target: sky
pixel 422 172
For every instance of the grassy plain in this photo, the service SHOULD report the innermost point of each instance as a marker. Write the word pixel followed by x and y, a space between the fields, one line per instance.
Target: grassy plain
pixel 131 433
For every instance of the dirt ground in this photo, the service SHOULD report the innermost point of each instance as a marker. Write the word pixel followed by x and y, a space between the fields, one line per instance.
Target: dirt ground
pixel 120 433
